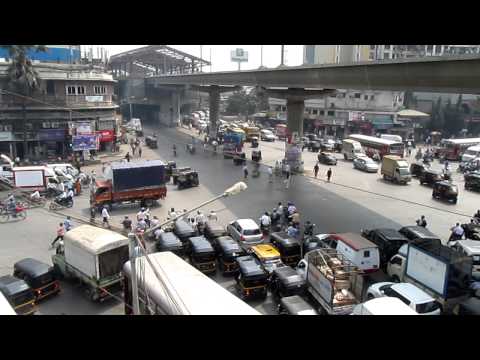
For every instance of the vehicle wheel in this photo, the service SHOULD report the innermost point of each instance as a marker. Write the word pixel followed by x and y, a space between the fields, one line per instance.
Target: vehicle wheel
pixel 395 279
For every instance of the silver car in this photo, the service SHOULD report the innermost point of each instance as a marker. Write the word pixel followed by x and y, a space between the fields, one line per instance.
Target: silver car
pixel 365 164
pixel 245 231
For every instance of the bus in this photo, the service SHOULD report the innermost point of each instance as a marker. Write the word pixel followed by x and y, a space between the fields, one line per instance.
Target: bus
pixel 371 145
pixel 190 292
pixel 452 149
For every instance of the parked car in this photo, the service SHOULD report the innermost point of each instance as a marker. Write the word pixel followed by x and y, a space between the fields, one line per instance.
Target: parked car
pixel 411 295
pixel 327 158
pixel 365 164
pixel 472 181
pixel 267 135
pixel 383 306
pixel 327 145
pixel 245 231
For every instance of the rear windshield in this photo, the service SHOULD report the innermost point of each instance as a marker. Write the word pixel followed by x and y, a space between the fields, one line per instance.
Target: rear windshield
pixel 23 297
pixel 427 307
pixel 290 250
pixel 255 281
pixel 206 257
pixel 251 232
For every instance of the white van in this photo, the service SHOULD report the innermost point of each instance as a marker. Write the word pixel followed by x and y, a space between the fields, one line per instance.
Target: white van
pixel 397 138
pixel 383 306
pixel 351 149
pixel 359 251
pixel 468 248
pixel 471 153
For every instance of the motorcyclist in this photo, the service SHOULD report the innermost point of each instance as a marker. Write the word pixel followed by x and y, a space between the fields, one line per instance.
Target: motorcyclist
pixel 309 228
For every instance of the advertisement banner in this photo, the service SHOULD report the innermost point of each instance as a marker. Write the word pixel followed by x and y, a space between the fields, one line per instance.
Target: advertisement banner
pixel 85 142
pixel 105 135
pixel 95 98
pixel 51 134
pixel 84 128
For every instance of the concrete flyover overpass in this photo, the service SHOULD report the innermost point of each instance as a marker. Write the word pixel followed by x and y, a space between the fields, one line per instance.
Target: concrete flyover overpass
pixel 430 74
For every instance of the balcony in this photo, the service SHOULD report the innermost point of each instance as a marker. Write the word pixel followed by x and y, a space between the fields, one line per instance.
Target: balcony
pixel 8 102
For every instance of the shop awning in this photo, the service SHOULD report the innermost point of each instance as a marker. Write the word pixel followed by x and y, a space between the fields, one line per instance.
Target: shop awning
pixel 411 113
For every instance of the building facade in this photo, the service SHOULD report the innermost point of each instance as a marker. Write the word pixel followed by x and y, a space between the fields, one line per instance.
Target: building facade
pixel 73 106
pixel 67 54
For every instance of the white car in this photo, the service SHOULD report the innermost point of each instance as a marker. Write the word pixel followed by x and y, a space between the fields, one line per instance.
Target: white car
pixel 267 135
pixel 364 163
pixel 411 295
pixel 245 231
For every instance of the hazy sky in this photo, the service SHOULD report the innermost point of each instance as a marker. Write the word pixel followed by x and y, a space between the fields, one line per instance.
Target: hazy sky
pixel 221 54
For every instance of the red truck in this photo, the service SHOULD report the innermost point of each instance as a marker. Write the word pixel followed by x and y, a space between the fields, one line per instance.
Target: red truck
pixel 140 181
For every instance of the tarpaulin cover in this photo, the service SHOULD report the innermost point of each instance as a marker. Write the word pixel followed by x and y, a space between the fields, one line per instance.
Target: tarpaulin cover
pixel 138 175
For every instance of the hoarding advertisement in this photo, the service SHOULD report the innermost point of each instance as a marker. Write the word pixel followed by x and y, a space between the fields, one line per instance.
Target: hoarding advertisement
pixel 85 142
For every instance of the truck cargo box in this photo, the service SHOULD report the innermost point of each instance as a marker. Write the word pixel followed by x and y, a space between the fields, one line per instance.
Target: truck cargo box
pixel 138 175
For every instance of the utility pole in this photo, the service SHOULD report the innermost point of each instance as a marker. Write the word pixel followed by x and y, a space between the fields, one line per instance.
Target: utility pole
pixel 282 56
pixel 201 57
pixel 135 302
pixel 261 55
pixel 210 59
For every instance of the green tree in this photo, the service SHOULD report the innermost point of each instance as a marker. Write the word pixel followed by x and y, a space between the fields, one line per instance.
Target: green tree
pixel 22 77
pixel 240 103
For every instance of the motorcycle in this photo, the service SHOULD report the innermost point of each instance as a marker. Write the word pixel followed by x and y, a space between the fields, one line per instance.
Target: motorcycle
pixel 60 203
pixel 20 211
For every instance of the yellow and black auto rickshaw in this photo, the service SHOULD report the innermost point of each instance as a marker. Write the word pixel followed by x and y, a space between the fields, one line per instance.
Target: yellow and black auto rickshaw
pixel 39 276
pixel 252 279
pixel 201 254
pixel 18 294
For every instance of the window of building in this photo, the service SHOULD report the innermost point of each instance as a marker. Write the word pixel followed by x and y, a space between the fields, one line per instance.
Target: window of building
pixel 322 112
pixel 365 97
pixel 314 111
pixel 386 55
pixel 50 87
pixel 331 113
pixel 429 48
pixel 357 95
pixel 371 56
pixel 372 97
pixel 80 90
pixel 99 90
pixel 71 90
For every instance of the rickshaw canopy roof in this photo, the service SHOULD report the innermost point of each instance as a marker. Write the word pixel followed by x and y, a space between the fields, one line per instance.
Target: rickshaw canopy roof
pixel 32 267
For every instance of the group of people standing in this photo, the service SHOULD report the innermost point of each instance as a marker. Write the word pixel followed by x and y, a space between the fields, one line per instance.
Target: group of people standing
pixel 283 217
pixel 136 147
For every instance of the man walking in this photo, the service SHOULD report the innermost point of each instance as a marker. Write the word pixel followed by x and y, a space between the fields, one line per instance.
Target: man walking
pixel 315 170
pixel 127 225
pixel 139 151
pixel 270 174
pixel 329 174
pixel 60 234
pixel 67 224
pixel 127 157
pixel 105 217
pixel 422 222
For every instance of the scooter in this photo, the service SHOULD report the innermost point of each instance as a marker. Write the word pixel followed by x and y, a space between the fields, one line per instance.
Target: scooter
pixel 60 203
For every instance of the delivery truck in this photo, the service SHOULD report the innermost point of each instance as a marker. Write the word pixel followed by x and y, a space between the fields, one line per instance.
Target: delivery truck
pixel 331 280
pixel 94 257
pixel 129 182
pixel 440 271
pixel 395 169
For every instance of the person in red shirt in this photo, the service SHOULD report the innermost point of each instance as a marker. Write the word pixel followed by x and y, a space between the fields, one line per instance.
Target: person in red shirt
pixel 60 234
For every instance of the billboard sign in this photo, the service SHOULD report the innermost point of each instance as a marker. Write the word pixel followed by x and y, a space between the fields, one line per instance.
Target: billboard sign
pixel 239 55
pixel 84 128
pixel 85 142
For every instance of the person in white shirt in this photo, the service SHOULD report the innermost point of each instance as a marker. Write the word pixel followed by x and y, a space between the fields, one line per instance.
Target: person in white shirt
pixel 172 214
pixel 154 222
pixel 105 217
pixel 61 186
pixel 141 214
pixel 158 232
pixel 270 174
pixel 265 221
pixel 200 218
pixel 70 194
pixel 212 216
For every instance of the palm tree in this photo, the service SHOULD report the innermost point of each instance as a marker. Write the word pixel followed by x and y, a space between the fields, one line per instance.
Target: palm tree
pixel 22 77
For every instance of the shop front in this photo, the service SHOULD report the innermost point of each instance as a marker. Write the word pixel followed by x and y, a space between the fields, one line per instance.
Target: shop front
pixel 7 146
pixel 106 139
pixel 51 143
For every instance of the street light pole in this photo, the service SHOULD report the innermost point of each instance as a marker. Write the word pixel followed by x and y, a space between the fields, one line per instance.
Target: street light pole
pixel 133 256
pixel 282 55
pixel 261 56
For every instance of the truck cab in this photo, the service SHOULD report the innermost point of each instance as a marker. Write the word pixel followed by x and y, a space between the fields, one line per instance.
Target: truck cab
pixel 396 169
pixel 102 194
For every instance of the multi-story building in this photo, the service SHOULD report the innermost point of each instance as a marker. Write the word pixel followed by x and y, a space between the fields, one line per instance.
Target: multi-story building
pixel 67 54
pixel 72 100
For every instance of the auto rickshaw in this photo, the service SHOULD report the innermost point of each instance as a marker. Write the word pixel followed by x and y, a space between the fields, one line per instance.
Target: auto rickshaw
pixel 288 247
pixel 202 254
pixel 213 231
pixel 416 169
pixel 187 179
pixel 18 294
pixel 295 305
pixel 268 256
pixel 254 140
pixel 184 230
pixel 256 155
pixel 177 171
pixel 152 141
pixel 39 276
pixel 430 177
pixel 239 159
pixel 251 279
pixel 287 282
pixel 472 181
pixel 445 190
pixel 168 241
pixel 228 251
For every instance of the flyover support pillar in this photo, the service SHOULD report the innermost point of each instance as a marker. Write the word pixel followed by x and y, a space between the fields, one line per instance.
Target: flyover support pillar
pixel 214 107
